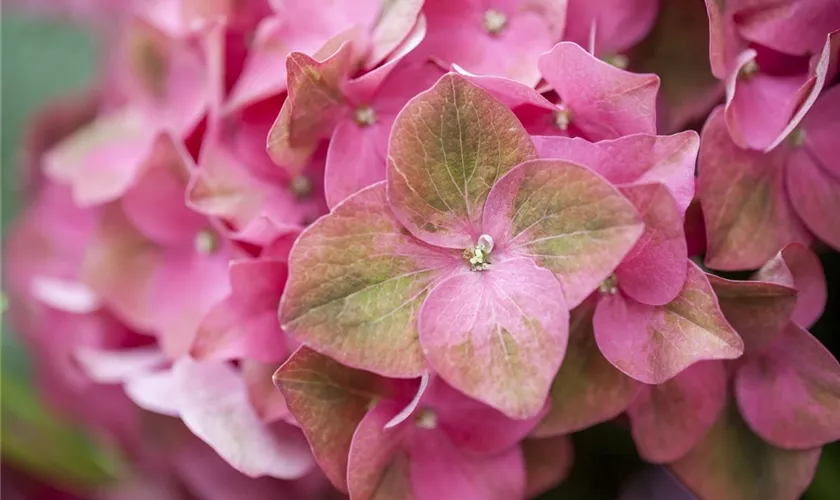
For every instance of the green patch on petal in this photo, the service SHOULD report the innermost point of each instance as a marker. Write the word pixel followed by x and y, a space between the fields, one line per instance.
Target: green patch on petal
pixel 356 282
pixel 588 389
pixel 328 400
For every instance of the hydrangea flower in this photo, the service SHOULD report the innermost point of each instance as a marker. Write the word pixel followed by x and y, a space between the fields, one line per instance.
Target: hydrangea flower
pixel 459 262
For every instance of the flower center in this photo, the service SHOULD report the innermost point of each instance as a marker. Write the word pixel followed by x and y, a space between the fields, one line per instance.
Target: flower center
pixel 206 242
pixel 610 285
pixel 796 138
pixel 748 70
pixel 426 419
pixel 301 186
pixel 365 116
pixel 562 118
pixel 479 255
pixel 494 21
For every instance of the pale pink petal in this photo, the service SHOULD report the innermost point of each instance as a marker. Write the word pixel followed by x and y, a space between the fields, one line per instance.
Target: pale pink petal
pixel 157 392
pixel 802 373
pixel 654 343
pixel 439 470
pixel 108 367
pixel 497 335
pixel 820 127
pixel 266 399
pixel 214 405
pixel 669 419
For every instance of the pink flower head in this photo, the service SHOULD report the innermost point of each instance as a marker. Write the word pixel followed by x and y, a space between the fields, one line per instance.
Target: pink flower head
pixel 595 100
pixel 782 196
pixel 374 29
pixel 769 88
pixel 465 261
pixel 393 439
pixel 493 37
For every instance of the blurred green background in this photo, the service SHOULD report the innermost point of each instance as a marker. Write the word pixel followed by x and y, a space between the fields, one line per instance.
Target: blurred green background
pixel 42 59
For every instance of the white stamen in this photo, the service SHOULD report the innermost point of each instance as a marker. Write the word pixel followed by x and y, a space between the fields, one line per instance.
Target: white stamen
pixel 365 116
pixel 206 242
pixel 494 21
pixel 427 420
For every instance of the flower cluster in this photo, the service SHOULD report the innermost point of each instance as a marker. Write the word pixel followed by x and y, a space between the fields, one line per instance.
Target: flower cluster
pixel 486 225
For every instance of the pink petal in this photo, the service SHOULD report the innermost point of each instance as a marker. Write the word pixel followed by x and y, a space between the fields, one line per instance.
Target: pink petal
pixel 547 463
pixel 653 344
pixel 185 287
pixel 448 147
pixel 669 419
pixel 499 335
pixel 245 324
pixel 369 256
pixel 473 427
pixel 439 470
pixel 820 127
pixel 264 396
pixel 102 160
pixel 747 213
pixel 587 390
pixel 642 158
pixel 157 392
pixel 618 24
pixel 800 371
pixel 798 267
pixel 328 400
pixel 108 367
pixel 732 463
pixel 377 466
pixel 796 27
pixel 814 194
pixel 355 159
pixel 654 271
pixel 605 102
pixel 761 111
pixel 155 203
pixel 214 405
pixel 566 218
pixel 512 52
pixel 120 266
pixel 757 310
pixel 634 159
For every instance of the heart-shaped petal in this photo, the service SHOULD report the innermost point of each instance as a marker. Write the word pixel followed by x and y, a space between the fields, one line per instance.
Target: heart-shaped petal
pixel 448 147
pixel 798 370
pixel 498 335
pixel 653 344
